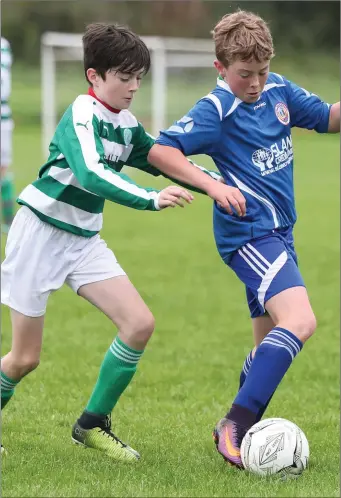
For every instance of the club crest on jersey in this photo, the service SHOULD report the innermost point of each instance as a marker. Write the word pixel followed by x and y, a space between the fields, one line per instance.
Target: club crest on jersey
pixel 282 113
pixel 127 136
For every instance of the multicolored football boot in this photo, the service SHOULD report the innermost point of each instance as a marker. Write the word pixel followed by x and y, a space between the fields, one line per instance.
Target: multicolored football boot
pixel 228 437
pixel 103 439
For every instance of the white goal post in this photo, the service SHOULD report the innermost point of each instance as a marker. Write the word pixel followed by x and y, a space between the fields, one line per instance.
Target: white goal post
pixel 165 53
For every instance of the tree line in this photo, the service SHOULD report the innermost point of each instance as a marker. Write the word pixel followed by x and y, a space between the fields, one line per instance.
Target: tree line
pixel 296 25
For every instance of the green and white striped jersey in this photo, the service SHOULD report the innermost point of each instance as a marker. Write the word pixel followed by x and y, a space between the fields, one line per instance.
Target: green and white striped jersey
pixel 6 63
pixel 87 152
pixel 91 145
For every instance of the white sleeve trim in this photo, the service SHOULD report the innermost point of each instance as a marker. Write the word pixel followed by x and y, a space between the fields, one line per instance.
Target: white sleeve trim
pixel 156 197
pixel 217 103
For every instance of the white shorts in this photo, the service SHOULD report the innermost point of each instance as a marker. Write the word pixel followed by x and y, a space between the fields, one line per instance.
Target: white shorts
pixel 6 142
pixel 40 258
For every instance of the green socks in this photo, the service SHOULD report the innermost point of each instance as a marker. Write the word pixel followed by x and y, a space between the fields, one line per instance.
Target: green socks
pixel 7 389
pixel 116 372
pixel 7 199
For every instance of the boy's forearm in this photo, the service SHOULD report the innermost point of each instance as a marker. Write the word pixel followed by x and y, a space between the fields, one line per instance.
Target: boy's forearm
pixel 174 164
pixel 213 174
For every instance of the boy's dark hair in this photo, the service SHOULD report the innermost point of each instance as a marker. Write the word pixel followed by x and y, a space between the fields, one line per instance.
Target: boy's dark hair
pixel 112 46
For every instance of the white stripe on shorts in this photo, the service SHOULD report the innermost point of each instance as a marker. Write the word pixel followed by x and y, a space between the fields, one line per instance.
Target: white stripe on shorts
pixel 270 275
pixel 251 256
pixel 261 257
pixel 255 269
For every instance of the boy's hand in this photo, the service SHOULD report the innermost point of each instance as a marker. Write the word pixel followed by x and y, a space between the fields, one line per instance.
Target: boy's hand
pixel 171 197
pixel 227 196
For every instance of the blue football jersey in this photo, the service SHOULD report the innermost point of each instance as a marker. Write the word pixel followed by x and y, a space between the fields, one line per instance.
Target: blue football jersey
pixel 251 145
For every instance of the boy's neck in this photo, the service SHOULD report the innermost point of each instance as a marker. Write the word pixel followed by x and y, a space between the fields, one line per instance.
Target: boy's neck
pixel 112 109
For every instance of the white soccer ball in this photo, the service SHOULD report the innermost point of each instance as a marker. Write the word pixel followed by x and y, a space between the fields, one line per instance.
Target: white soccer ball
pixel 275 446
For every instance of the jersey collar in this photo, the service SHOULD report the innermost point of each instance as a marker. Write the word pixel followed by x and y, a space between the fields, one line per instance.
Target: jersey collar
pixel 111 109
pixel 222 83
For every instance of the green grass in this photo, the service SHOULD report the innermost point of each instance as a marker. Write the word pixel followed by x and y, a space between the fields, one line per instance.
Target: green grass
pixel 188 375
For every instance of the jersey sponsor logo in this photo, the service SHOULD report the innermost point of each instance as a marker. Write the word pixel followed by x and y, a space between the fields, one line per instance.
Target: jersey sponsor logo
pixel 83 124
pixel 258 106
pixel 127 136
pixel 282 113
pixel 276 157
pixel 115 152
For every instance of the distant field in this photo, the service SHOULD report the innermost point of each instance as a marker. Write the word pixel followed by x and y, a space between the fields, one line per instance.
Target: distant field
pixel 184 86
pixel 189 373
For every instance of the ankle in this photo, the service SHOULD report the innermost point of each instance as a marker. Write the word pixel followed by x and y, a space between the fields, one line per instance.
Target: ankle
pixel 90 420
pixel 241 416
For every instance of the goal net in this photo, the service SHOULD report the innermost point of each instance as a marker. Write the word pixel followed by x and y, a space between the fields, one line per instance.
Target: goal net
pixel 181 72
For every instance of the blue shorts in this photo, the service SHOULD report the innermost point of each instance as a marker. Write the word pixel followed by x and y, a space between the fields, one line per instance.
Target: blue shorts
pixel 267 266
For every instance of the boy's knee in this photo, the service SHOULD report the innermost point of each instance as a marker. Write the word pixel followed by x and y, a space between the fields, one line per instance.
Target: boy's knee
pixel 303 326
pixel 309 326
pixel 140 328
pixel 25 364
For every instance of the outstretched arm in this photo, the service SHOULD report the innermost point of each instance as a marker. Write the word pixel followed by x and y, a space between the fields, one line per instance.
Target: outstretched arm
pixel 79 141
pixel 174 164
pixel 139 159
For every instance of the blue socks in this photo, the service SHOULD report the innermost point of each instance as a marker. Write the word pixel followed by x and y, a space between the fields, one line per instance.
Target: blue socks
pixel 261 377
pixel 245 369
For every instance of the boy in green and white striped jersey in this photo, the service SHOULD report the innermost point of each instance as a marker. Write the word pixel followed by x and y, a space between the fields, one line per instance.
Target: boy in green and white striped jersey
pixel 54 237
pixel 7 189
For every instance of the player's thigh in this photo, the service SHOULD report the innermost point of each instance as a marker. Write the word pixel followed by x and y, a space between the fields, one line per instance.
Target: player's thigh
pixel 261 326
pixel 292 310
pixel 27 336
pixel 101 280
pixel 120 301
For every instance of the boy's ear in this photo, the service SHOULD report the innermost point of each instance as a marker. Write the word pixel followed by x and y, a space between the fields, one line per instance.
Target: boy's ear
pixel 220 68
pixel 92 75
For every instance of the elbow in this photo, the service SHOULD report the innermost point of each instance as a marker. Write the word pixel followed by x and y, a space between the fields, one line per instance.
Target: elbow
pixel 87 181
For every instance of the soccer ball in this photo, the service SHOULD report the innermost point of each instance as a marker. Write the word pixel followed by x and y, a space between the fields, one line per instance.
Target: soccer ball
pixel 275 446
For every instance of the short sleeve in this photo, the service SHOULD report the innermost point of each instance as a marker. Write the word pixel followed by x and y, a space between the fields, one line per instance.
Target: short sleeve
pixel 306 109
pixel 196 132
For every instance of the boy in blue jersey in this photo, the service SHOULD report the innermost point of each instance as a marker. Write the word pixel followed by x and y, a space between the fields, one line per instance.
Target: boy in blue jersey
pixel 244 125
pixel 55 238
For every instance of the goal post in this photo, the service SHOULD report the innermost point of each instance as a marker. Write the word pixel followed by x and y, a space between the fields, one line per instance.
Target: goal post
pixel 165 53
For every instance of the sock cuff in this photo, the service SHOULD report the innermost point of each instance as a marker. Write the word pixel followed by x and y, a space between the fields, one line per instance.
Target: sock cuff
pixel 7 384
pixel 284 338
pixel 128 348
pixel 124 352
pixel 290 335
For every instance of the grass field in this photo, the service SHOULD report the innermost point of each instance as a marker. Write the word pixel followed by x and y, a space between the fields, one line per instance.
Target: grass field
pixel 188 375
